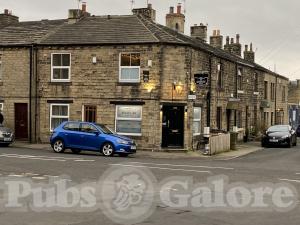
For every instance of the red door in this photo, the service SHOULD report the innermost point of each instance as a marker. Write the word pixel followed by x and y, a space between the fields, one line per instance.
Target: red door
pixel 21 120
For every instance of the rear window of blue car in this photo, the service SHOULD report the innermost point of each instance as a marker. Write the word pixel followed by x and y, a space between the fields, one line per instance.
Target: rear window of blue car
pixel 72 126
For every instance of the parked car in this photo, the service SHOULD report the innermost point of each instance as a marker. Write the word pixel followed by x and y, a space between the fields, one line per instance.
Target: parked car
pixel 7 136
pixel 279 135
pixel 298 131
pixel 79 136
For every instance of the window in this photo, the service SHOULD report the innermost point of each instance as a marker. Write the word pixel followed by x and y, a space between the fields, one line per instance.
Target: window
pixel 90 113
pixel 272 118
pixel 1 107
pixel 72 126
pixel 58 114
pixel 239 119
pixel 283 94
pixel 219 118
pixel 266 89
pixel 239 79
pixel 255 82
pixel 60 67
pixel 130 67
pixel 272 91
pixel 197 121
pixel 88 128
pixel 220 76
pixel 129 120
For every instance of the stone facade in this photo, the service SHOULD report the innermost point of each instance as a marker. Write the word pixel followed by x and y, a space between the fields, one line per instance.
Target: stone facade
pixel 233 96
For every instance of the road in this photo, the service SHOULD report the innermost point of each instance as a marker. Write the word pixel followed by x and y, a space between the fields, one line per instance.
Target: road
pixel 273 165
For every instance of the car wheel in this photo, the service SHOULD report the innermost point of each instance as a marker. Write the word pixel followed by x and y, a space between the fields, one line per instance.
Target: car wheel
pixel 107 149
pixel 123 154
pixel 76 151
pixel 5 145
pixel 58 146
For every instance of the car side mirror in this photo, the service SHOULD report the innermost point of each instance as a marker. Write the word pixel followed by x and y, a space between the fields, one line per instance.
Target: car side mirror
pixel 97 133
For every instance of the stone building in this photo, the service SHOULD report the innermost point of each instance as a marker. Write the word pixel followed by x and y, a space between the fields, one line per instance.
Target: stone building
pixel 294 103
pixel 143 79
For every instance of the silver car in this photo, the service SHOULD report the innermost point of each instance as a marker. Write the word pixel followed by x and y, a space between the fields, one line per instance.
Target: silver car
pixel 7 136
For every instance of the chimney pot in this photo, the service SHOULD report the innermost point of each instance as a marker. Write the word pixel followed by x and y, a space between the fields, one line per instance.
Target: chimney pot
pixel 171 10
pixel 232 41
pixel 251 47
pixel 246 48
pixel 179 8
pixel 83 7
pixel 214 32
pixel 237 38
pixel 149 6
pixel 6 12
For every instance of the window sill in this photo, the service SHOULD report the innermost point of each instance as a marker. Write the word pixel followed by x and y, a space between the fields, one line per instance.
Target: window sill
pixel 130 135
pixel 60 83
pixel 138 83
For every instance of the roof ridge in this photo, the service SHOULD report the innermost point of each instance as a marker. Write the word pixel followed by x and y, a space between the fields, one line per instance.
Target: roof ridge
pixel 157 26
pixel 147 28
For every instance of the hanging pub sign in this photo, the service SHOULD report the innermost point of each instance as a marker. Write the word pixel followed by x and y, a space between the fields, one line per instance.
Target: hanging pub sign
pixel 201 78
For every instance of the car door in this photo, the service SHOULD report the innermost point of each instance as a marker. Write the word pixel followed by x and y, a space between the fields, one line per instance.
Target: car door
pixel 91 137
pixel 71 134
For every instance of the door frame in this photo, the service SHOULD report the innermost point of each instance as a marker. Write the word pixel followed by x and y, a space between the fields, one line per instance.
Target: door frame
pixel 27 120
pixel 165 143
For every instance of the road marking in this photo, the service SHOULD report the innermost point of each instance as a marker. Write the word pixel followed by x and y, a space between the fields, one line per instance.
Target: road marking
pixel 35 156
pixel 31 158
pixel 39 178
pixel 15 175
pixel 296 181
pixel 191 166
pixel 84 160
pixel 160 168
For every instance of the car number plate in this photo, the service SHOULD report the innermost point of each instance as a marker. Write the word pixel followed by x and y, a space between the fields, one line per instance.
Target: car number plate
pixel 133 147
pixel 7 139
pixel 273 140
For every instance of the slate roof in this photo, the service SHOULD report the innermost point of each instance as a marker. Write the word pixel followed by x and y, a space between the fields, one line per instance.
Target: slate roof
pixel 100 30
pixel 26 33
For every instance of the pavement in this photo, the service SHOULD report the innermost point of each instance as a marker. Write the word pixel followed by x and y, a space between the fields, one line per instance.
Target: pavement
pixel 242 150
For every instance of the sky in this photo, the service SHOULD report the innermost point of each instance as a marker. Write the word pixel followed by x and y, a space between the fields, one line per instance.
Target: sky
pixel 272 25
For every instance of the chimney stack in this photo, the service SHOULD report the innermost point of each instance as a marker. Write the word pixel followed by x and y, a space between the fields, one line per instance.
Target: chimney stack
pixel 227 46
pixel 7 19
pixel 83 7
pixel 179 8
pixel 176 20
pixel 217 39
pixel 236 48
pixel 249 55
pixel 199 32
pixel 148 12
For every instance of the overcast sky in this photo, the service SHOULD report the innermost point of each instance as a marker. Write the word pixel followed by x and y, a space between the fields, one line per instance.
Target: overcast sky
pixel 272 25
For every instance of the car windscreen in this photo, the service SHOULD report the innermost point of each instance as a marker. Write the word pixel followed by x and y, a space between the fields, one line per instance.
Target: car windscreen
pixel 278 129
pixel 104 128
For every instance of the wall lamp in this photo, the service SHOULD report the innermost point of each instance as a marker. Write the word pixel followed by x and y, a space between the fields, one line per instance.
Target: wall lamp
pixel 178 87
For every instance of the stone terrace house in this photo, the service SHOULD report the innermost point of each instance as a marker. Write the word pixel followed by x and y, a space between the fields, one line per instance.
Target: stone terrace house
pixel 143 79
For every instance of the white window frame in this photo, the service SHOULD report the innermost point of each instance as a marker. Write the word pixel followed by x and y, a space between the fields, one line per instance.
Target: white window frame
pixel 58 117
pixel 197 120
pixel 129 67
pixel 131 119
pixel 60 67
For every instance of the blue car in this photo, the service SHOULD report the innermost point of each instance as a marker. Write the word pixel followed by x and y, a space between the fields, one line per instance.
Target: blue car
pixel 79 136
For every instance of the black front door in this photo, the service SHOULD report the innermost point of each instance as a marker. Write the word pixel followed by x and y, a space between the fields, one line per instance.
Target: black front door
pixel 173 126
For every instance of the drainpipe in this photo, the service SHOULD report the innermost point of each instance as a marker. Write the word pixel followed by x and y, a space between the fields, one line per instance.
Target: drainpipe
pixel 30 91
pixel 275 104
pixel 209 93
pixel 36 94
pixel 236 90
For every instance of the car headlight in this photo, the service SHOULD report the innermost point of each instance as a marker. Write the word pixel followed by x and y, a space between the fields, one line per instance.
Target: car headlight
pixel 120 141
pixel 285 136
